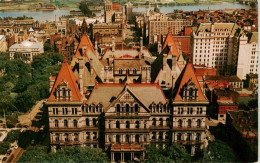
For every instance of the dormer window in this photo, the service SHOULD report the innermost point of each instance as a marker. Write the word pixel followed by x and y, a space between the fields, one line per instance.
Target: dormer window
pixel 62 91
pixel 189 91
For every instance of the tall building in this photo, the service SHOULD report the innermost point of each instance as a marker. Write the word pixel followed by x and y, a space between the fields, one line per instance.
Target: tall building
pixel 246 61
pixel 129 11
pixel 110 9
pixel 158 27
pixel 212 45
pixel 189 111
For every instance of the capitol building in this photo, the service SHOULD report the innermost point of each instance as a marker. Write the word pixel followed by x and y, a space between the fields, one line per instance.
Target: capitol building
pixel 28 48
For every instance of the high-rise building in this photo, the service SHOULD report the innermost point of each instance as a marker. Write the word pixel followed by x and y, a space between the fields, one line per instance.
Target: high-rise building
pixel 129 11
pixel 246 61
pixel 212 45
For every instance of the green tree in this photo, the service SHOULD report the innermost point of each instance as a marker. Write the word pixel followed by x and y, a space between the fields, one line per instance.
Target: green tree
pixel 219 151
pixel 252 104
pixel 173 153
pixel 83 6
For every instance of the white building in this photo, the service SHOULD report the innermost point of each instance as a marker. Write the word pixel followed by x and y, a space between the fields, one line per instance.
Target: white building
pixel 212 45
pixel 247 58
pixel 28 48
pixel 3 44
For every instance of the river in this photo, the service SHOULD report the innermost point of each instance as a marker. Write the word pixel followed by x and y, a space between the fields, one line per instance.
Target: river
pixel 50 15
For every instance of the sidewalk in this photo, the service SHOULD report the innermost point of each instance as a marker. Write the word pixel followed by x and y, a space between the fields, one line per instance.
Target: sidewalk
pixel 27 118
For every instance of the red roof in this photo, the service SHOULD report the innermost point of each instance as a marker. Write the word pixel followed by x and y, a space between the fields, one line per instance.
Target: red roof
pixel 205 71
pixel 169 40
pixel 84 41
pixel 67 76
pixel 189 74
pixel 116 6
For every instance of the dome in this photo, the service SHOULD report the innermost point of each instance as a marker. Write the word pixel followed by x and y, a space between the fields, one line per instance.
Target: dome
pixel 27 43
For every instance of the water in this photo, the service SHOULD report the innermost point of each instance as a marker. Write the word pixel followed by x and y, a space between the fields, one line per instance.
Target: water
pixel 50 15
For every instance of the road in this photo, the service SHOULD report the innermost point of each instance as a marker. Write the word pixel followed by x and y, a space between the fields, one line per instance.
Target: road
pixel 26 119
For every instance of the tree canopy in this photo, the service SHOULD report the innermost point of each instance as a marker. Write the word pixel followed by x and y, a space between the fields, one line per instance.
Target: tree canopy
pixel 67 154
pixel 173 153
pixel 83 6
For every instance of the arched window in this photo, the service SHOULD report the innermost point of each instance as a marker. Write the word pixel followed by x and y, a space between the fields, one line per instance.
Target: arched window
pixel 180 123
pixel 127 138
pixel 120 71
pixel 118 108
pixel 118 138
pixel 66 137
pixel 65 123
pixel 127 125
pixel 189 123
pixel 167 135
pixel 134 71
pixel 198 123
pixel 136 108
pixel 154 122
pixel 161 122
pixel 117 124
pixel 75 123
pixel 190 92
pixel 56 123
pixel 127 71
pixel 160 136
pixel 137 138
pixel 63 92
pixel 94 122
pixel 87 122
pixel 137 124
pixel 57 137
pixel 127 108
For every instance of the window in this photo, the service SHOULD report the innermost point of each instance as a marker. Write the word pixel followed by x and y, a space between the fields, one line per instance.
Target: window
pixel 75 123
pixel 65 123
pixel 127 125
pixel 137 138
pixel 120 71
pixel 127 108
pixel 76 137
pixel 134 71
pixel 160 136
pixel 94 122
pixel 198 137
pixel 137 125
pixel 118 138
pixel 153 135
pixel 63 92
pixel 66 137
pixel 94 135
pixel 161 122
pixel 198 123
pixel 117 124
pixel 188 137
pixel 87 135
pixel 65 111
pixel 118 108
pixel 127 138
pixel 179 136
pixel 189 123
pixel 154 122
pixel 127 71
pixel 136 108
pixel 74 110
pixel 55 110
pixel 168 121
pixel 87 122
pixel 57 137
pixel 180 123
pixel 56 123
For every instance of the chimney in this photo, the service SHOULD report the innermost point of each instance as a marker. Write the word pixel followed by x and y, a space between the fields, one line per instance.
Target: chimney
pixel 164 61
pixel 170 46
pixel 159 47
pixel 84 47
pixel 141 45
pixel 81 71
pixel 174 62
pixel 113 44
pixel 96 49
